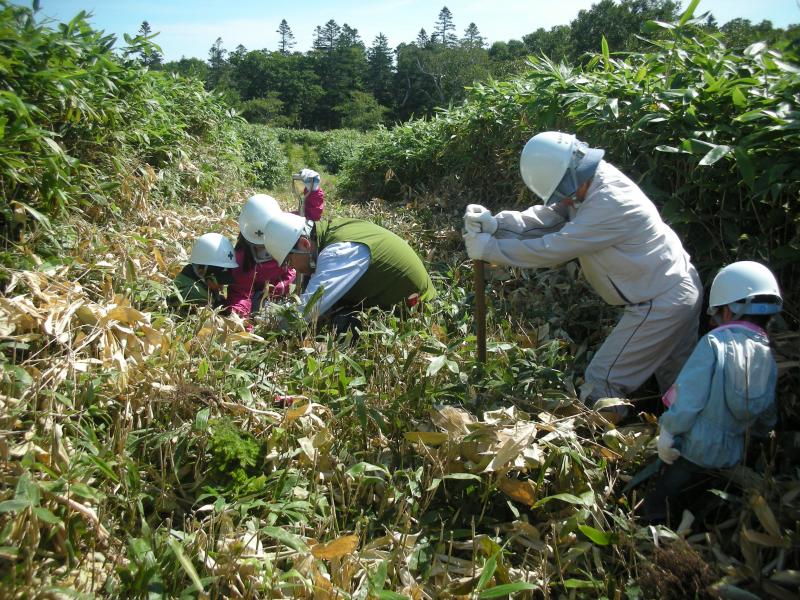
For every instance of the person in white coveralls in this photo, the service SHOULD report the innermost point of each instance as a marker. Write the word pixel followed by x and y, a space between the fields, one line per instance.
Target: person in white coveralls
pixel 630 257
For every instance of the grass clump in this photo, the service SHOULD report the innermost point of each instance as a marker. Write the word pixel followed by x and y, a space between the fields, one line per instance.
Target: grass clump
pixel 677 572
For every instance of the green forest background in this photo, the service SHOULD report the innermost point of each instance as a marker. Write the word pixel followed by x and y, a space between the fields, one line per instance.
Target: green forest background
pixel 343 82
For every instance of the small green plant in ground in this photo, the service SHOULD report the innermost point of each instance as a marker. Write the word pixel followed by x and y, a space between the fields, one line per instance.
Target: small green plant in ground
pixel 234 458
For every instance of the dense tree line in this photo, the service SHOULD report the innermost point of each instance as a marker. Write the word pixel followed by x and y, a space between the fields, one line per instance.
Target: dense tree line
pixel 341 82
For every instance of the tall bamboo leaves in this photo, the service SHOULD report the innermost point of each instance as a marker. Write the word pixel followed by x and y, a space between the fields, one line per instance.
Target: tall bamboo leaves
pixel 710 134
pixel 78 120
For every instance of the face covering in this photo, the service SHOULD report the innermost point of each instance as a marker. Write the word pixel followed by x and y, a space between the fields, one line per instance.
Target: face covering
pixel 259 253
pixel 221 275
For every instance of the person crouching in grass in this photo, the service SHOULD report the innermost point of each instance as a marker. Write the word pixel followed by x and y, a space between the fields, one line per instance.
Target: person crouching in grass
pixel 210 265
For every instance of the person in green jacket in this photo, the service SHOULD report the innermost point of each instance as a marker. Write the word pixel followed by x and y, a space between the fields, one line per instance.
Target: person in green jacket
pixel 200 282
pixel 356 264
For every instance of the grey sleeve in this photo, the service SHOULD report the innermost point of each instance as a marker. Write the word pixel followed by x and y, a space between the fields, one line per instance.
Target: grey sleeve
pixel 534 222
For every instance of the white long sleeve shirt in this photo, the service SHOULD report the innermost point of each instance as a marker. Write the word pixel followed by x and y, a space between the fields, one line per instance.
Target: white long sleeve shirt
pixel 339 267
pixel 627 253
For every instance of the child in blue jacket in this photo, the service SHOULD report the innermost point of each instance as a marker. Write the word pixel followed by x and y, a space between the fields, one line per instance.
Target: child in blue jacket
pixel 725 392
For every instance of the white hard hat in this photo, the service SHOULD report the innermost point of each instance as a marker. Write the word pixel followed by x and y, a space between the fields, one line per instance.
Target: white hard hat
pixel 282 232
pixel 737 284
pixel 552 161
pixel 254 216
pixel 214 250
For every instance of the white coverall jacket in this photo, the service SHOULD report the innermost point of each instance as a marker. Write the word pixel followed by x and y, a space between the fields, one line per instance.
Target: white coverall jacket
pixel 631 258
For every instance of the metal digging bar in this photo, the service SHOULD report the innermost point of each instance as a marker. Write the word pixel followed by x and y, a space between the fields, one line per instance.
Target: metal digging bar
pixel 301 202
pixel 301 210
pixel 480 309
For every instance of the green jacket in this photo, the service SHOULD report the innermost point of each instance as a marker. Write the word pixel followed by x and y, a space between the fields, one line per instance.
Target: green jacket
pixel 191 289
pixel 395 271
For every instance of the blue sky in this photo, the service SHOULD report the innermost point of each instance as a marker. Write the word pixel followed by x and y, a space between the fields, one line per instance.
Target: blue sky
pixel 189 27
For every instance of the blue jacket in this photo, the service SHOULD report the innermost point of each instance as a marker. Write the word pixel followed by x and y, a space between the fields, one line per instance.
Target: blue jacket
pixel 726 387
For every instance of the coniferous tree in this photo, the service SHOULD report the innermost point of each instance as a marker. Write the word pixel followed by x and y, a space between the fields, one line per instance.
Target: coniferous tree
pixel 217 64
pixel 326 37
pixel 348 36
pixel 286 42
pixel 340 63
pixel 379 71
pixel 422 39
pixel 444 30
pixel 235 57
pixel 150 56
pixel 472 37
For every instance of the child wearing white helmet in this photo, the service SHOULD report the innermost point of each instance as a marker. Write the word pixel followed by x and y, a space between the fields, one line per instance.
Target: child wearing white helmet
pixel 725 392
pixel 257 270
pixel 209 268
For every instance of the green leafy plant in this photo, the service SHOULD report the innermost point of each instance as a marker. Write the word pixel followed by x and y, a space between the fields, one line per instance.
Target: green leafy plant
pixel 264 155
pixel 235 456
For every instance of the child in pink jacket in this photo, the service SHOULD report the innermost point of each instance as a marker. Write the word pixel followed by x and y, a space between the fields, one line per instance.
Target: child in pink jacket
pixel 251 279
pixel 313 196
pixel 254 276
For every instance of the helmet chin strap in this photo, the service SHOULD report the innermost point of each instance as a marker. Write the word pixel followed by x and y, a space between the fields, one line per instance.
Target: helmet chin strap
pixel 199 270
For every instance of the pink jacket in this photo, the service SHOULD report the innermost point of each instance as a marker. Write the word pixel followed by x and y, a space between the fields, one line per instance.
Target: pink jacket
pixel 315 204
pixel 247 283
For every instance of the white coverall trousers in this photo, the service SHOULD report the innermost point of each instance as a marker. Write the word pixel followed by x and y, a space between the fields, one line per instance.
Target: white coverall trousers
pixel 652 337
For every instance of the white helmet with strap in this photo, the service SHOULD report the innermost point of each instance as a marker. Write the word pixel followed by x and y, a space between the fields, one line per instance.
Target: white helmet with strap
pixel 282 232
pixel 214 250
pixel 554 164
pixel 254 216
pixel 739 284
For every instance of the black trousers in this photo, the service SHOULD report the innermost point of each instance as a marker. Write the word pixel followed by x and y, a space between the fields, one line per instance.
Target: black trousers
pixel 681 485
pixel 344 319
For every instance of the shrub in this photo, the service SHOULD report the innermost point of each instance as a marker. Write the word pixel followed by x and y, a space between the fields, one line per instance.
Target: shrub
pixel 301 137
pixel 87 129
pixel 264 110
pixel 264 155
pixel 339 147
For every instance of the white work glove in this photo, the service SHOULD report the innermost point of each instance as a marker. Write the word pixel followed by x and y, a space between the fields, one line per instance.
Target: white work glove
pixel 478 219
pixel 310 179
pixel 273 316
pixel 666 451
pixel 476 244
